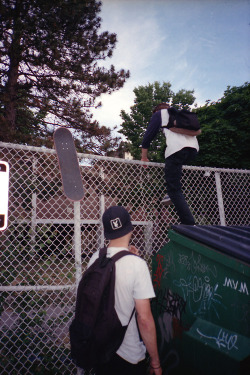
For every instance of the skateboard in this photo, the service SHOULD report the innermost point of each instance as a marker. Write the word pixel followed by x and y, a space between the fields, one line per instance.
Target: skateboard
pixel 68 163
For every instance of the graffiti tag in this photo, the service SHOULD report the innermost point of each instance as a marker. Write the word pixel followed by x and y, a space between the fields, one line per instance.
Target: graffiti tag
pixel 172 303
pixel 169 264
pixel 222 340
pixel 199 290
pixel 195 264
pixel 159 270
pixel 236 285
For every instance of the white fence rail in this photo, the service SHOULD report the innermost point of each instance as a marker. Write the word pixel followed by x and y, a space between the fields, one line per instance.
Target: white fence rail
pixel 49 239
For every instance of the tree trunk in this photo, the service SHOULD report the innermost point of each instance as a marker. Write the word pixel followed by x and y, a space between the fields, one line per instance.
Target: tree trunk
pixel 11 95
pixel 11 85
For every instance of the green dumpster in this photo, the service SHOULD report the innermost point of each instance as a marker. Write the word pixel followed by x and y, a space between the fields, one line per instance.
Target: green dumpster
pixel 202 308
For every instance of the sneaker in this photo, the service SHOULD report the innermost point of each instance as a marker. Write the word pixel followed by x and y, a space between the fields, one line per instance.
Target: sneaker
pixel 166 201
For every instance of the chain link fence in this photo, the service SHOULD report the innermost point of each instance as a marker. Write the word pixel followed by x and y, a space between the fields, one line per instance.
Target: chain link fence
pixel 49 240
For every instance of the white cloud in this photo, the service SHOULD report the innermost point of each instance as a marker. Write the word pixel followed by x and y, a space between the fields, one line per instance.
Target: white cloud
pixel 109 113
pixel 139 40
pixel 192 51
pixel 139 35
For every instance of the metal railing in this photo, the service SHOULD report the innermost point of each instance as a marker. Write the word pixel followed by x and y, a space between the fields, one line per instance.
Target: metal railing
pixel 49 239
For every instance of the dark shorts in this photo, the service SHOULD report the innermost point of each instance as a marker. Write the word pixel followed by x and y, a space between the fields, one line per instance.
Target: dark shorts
pixel 118 366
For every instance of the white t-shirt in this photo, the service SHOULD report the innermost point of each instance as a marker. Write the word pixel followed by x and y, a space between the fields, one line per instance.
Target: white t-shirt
pixel 133 281
pixel 176 141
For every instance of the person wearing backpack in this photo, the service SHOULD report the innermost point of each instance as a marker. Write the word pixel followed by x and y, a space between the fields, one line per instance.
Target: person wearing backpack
pixel 133 291
pixel 180 129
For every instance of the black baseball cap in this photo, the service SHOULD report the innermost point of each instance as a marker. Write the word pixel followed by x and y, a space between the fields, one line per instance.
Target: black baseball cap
pixel 116 222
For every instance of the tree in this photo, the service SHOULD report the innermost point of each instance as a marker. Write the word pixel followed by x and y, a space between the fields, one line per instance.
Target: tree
pixel 49 68
pixel 135 123
pixel 225 124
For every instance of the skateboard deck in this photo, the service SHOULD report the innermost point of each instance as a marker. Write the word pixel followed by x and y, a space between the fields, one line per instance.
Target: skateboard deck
pixel 68 163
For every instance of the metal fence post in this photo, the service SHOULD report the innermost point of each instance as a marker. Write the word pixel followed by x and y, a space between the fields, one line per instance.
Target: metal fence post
pixel 33 208
pixel 148 233
pixel 77 242
pixel 33 224
pixel 102 209
pixel 100 230
pixel 220 199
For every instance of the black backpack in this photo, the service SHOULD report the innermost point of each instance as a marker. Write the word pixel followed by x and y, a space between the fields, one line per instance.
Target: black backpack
pixel 182 119
pixel 96 332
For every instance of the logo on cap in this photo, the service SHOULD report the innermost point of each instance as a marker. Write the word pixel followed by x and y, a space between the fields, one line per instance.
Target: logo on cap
pixel 116 223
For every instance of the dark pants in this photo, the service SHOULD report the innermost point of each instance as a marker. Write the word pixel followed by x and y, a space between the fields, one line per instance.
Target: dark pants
pixel 118 366
pixel 173 173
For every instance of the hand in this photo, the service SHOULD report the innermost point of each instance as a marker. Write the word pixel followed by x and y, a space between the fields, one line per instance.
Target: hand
pixel 155 367
pixel 144 156
pixel 157 371
pixel 144 159
pixel 133 249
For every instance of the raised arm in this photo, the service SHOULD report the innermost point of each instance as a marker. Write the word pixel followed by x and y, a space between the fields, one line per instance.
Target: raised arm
pixel 144 154
pixel 151 132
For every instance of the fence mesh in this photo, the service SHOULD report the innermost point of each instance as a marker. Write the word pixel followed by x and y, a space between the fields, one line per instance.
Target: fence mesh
pixel 49 240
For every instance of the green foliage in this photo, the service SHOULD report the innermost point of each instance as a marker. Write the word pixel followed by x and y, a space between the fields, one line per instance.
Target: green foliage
pixel 48 70
pixel 225 124
pixel 30 344
pixel 183 99
pixel 135 124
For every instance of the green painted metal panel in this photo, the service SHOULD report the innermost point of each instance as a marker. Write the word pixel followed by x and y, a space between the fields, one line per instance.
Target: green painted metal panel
pixel 195 282
pixel 215 350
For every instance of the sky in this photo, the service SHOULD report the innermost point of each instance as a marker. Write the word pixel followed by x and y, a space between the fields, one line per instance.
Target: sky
pixel 200 45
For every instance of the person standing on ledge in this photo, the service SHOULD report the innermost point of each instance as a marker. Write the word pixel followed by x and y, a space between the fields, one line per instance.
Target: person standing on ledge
pixel 181 147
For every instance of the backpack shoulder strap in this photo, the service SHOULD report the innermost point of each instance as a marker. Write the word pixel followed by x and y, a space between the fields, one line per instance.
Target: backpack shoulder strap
pixel 168 121
pixel 103 252
pixel 164 118
pixel 117 257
